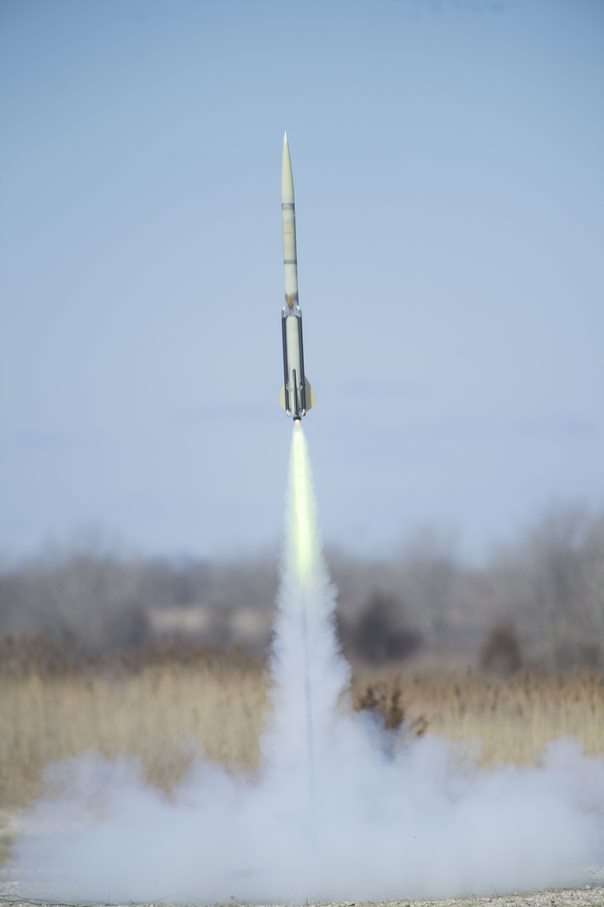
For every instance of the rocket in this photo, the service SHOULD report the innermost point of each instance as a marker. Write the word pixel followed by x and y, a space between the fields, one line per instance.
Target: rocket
pixel 296 394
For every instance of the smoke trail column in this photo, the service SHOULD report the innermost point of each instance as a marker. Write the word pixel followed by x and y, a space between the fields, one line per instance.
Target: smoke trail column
pixel 308 674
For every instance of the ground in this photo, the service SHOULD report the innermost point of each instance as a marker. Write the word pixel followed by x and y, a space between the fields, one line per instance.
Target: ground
pixel 580 897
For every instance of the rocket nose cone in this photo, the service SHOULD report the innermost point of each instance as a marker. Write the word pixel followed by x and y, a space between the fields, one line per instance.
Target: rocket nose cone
pixel 287 180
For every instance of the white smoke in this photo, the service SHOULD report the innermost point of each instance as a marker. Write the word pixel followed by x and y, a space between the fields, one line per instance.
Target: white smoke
pixel 341 809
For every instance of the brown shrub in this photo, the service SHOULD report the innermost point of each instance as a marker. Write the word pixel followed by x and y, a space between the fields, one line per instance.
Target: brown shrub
pixel 502 652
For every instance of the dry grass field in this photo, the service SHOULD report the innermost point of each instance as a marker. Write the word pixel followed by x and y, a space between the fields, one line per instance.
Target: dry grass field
pixel 164 707
pixel 159 710
pixel 511 719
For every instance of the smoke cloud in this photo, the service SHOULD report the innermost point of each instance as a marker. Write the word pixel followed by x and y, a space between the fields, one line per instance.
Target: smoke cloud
pixel 341 808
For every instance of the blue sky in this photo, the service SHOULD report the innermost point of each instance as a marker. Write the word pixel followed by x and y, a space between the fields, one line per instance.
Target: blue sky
pixel 448 163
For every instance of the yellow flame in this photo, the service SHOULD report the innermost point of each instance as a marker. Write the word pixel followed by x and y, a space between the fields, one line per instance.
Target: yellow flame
pixel 303 504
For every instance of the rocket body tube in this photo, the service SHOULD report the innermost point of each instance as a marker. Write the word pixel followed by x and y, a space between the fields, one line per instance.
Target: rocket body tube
pixel 296 396
pixel 293 363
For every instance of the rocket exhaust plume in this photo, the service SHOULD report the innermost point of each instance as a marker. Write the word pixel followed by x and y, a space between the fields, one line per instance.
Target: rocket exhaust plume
pixel 308 674
pixel 302 544
pixel 341 809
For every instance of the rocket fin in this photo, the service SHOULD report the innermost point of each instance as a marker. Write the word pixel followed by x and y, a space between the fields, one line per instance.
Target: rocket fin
pixel 310 395
pixel 282 398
